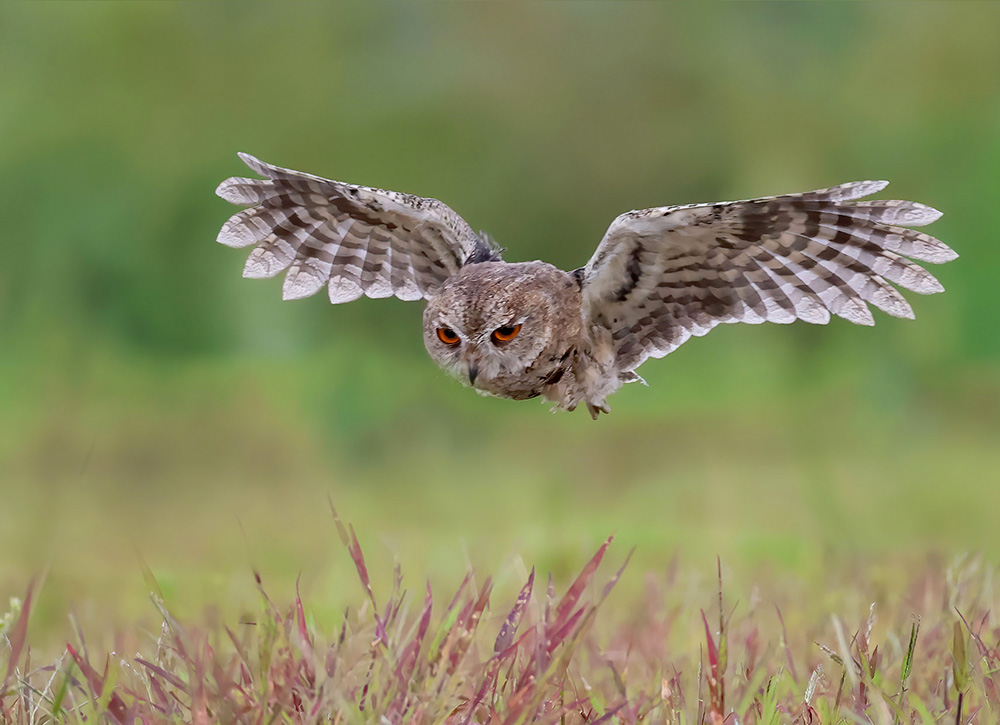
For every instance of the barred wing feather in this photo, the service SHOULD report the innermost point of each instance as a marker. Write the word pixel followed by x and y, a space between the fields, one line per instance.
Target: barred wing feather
pixel 662 275
pixel 353 239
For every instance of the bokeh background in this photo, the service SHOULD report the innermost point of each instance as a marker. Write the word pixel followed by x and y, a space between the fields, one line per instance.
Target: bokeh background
pixel 156 406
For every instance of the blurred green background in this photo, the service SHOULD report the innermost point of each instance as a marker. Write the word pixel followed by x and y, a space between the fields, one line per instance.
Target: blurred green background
pixel 155 403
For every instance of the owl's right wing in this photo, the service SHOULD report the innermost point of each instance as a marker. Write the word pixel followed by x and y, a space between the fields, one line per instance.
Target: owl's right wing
pixel 355 240
pixel 662 275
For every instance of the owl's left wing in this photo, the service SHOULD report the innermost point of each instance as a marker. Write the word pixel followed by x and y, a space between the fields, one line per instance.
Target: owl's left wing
pixel 661 275
pixel 355 240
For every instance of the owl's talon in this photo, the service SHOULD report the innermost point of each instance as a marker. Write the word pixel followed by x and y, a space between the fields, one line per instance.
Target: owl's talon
pixel 596 410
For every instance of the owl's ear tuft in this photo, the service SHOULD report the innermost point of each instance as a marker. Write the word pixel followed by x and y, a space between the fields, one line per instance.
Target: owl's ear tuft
pixel 486 251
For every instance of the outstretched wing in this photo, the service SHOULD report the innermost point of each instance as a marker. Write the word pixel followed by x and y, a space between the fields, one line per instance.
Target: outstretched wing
pixel 661 275
pixel 354 239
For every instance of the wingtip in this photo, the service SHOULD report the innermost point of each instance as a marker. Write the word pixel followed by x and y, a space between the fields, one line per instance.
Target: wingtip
pixel 250 160
pixel 222 189
pixel 226 237
pixel 874 186
pixel 927 214
pixel 864 188
pixel 236 234
pixel 900 309
pixel 937 252
pixel 913 214
pixel 850 190
pixel 300 283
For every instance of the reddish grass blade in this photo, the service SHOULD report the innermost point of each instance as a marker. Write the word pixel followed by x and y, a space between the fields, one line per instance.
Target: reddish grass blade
pixel 359 562
pixel 788 649
pixel 18 636
pixel 408 660
pixel 716 685
pixel 713 652
pixel 305 641
pixel 723 639
pixel 572 595
pixel 606 717
pixel 488 681
pixel 468 621
pixel 116 708
pixel 350 540
pixel 614 580
pixel 556 637
pixel 160 672
pixel 510 625
pixel 984 650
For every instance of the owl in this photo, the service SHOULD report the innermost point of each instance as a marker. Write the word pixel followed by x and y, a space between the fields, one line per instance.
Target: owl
pixel 658 277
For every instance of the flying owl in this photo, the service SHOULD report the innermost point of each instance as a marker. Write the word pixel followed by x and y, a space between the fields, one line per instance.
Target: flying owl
pixel 658 277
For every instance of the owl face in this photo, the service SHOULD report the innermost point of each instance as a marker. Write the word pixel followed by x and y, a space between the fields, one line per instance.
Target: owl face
pixel 493 325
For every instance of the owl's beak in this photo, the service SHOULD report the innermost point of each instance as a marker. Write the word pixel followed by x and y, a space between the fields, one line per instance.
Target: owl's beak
pixel 473 373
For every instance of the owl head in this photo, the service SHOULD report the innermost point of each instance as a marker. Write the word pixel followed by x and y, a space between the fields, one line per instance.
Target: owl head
pixel 498 326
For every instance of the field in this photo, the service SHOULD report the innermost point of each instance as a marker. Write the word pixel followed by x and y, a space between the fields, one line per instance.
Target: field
pixel 547 656
pixel 804 519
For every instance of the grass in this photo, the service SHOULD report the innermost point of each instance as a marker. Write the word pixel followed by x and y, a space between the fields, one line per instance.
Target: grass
pixel 676 650
pixel 202 468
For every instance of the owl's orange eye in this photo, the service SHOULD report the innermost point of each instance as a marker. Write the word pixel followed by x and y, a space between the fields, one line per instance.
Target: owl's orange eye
pixel 447 336
pixel 503 334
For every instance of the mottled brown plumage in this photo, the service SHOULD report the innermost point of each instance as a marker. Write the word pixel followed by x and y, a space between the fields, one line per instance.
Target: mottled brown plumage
pixel 481 298
pixel 659 276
